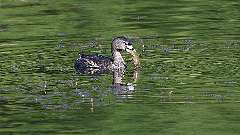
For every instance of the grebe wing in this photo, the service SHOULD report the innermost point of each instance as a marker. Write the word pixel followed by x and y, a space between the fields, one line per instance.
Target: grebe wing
pixel 94 61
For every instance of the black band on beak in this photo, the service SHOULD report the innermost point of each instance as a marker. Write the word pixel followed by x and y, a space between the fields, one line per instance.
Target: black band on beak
pixel 130 48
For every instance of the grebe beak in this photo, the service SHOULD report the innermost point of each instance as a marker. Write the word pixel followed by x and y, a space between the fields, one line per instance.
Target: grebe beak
pixel 129 47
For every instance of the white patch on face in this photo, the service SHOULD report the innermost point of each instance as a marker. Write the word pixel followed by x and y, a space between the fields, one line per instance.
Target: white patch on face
pixel 129 48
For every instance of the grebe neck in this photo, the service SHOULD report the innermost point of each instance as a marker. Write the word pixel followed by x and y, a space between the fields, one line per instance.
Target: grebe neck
pixel 118 59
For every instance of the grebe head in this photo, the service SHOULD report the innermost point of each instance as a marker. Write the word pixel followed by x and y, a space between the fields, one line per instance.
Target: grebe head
pixel 121 43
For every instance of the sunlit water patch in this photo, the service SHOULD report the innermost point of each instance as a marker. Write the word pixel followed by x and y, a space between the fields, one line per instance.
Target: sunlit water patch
pixel 188 82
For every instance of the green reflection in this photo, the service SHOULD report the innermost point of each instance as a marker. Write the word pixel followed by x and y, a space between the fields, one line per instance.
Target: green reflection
pixel 188 83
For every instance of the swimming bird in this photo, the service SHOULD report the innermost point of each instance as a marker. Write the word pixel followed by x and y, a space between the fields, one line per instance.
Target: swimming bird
pixel 98 64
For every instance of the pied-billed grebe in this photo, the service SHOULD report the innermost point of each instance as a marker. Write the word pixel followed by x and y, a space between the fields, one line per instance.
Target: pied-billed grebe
pixel 97 64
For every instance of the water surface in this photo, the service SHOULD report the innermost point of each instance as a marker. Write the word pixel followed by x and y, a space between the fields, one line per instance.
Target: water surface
pixel 188 82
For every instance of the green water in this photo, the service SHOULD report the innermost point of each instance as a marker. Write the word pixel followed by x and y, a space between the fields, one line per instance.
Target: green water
pixel 188 83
